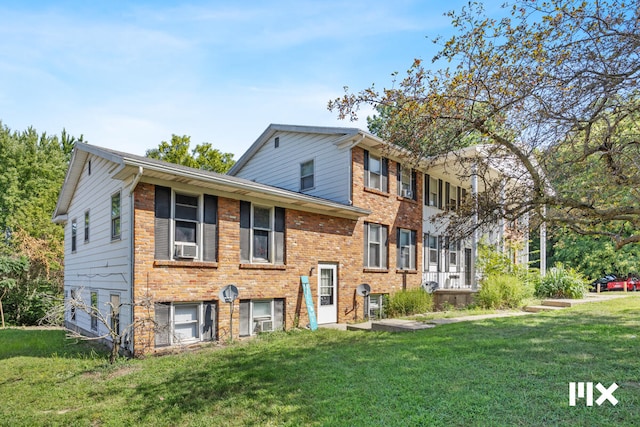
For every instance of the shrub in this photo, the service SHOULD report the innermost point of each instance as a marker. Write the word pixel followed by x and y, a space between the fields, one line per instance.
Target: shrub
pixel 560 282
pixel 406 303
pixel 502 291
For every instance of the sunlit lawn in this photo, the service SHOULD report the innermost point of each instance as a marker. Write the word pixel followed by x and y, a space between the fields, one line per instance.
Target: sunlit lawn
pixel 508 371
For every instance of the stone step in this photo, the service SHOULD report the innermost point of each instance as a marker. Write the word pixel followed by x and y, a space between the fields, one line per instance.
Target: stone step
pixel 539 308
pixel 558 303
pixel 394 325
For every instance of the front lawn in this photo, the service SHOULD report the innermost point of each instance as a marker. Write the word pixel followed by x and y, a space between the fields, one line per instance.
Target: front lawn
pixel 506 371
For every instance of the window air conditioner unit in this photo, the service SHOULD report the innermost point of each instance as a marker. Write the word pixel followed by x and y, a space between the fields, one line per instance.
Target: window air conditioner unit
pixel 407 193
pixel 264 326
pixel 186 250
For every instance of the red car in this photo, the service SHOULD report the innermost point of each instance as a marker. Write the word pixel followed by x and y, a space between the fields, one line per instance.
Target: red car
pixel 632 283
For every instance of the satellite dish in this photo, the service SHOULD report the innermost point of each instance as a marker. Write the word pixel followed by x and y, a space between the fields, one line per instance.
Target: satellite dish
pixel 363 290
pixel 228 294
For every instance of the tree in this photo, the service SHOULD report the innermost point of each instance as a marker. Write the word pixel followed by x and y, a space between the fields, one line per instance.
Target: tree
pixel 551 88
pixel 10 271
pixel 203 156
pixel 33 169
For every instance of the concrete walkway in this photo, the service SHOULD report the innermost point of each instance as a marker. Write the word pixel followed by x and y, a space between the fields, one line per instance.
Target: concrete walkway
pixel 401 325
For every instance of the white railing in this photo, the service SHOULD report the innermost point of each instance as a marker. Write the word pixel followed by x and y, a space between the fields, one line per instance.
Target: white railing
pixel 446 280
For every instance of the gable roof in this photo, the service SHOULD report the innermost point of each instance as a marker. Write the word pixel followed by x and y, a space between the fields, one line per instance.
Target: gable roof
pixel 132 169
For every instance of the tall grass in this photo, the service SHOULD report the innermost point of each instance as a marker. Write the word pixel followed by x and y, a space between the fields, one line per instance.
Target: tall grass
pixel 409 302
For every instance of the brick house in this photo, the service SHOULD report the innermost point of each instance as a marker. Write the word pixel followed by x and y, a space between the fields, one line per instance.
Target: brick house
pixel 338 205
pixel 137 228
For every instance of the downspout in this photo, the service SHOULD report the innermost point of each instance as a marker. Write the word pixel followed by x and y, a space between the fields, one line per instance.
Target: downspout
pixel 132 215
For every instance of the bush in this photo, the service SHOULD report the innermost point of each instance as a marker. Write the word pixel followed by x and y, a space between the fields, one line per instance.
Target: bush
pixel 409 302
pixel 560 282
pixel 502 291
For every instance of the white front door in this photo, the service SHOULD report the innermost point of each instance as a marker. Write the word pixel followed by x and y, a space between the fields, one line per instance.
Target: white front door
pixel 327 293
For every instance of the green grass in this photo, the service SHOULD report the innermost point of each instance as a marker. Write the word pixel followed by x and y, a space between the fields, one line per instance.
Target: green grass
pixel 507 371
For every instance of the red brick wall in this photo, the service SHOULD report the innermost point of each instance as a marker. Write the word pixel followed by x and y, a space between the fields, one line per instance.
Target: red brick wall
pixel 310 239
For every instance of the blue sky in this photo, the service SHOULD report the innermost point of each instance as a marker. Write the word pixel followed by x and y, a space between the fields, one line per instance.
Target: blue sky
pixel 128 75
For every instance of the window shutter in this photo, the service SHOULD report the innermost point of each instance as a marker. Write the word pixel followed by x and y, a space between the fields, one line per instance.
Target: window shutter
pixel 366 168
pixel 162 221
pixel 427 188
pixel 279 236
pixel 245 317
pixel 440 194
pixel 459 199
pixel 447 196
pixel 278 314
pixel 163 325
pixel 245 234
pixel 412 254
pixel 398 249
pixel 384 247
pixel 414 185
pixel 210 238
pixel 209 321
pixel 399 180
pixel 366 245
pixel 385 174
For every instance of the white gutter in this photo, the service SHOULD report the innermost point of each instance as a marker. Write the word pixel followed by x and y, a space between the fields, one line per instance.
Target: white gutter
pixel 136 179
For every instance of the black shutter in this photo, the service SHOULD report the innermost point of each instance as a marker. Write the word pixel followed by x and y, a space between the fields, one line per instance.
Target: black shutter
pixel 459 200
pixel 210 240
pixel 439 194
pixel 163 324
pixel 398 250
pixel 279 235
pixel 385 175
pixel 245 234
pixel 162 222
pixel 414 185
pixel 447 194
pixel 427 188
pixel 245 318
pixel 399 179
pixel 210 325
pixel 366 168
pixel 278 314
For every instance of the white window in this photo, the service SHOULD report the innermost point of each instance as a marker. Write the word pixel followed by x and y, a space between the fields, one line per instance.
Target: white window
pixel 375 246
pixel 180 323
pixel 432 244
pixel 186 322
pixel 262 226
pixel 405 187
pixel 72 305
pixel 86 226
pixel 375 172
pixel 74 235
pixel 115 216
pixel 307 175
pixel 433 192
pixel 453 198
pixel 258 316
pixel 186 217
pixel 262 316
pixel 94 311
pixel 406 250
pixel 454 246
